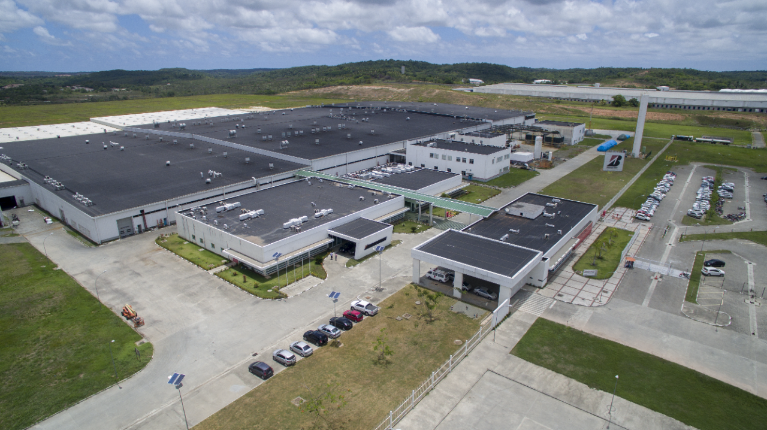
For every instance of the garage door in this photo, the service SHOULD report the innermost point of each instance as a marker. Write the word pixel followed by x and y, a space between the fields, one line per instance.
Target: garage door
pixel 125 226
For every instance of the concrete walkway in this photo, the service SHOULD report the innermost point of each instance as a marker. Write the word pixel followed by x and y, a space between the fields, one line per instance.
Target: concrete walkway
pixel 757 140
pixel 492 389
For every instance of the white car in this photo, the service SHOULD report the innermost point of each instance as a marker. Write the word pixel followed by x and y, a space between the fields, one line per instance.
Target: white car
pixel 329 330
pixel 301 348
pixel 642 217
pixel 284 357
pixel 367 308
pixel 712 271
pixel 483 292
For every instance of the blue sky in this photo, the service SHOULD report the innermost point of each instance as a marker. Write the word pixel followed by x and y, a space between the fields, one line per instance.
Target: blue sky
pixel 89 35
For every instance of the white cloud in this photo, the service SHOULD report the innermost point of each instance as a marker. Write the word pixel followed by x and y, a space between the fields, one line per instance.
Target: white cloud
pixel 8 50
pixel 13 18
pixel 651 35
pixel 48 38
pixel 413 34
pixel 582 36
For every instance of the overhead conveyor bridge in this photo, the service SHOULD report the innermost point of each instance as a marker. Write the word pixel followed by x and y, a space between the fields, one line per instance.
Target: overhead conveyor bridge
pixel 440 202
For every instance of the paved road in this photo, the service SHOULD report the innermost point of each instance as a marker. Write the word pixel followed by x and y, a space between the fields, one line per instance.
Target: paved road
pixel 758 140
pixel 492 389
pixel 199 325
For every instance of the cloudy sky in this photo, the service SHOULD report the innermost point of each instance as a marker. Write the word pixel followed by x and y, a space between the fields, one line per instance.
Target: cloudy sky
pixel 87 35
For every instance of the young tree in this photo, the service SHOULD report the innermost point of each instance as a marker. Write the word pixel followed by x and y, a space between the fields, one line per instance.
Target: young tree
pixel 326 399
pixel 381 345
pixel 634 102
pixel 619 100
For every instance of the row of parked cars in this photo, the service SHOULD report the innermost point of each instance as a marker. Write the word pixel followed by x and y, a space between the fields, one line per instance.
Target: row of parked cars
pixel 703 197
pixel 647 210
pixel 712 267
pixel 447 276
pixel 320 337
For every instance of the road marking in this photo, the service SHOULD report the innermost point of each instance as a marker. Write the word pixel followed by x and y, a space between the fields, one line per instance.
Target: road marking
pixel 748 201
pixel 654 283
pixel 681 196
pixel 751 306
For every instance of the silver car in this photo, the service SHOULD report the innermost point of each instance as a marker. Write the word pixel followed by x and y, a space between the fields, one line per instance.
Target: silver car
pixel 301 348
pixel 483 292
pixel 284 357
pixel 330 330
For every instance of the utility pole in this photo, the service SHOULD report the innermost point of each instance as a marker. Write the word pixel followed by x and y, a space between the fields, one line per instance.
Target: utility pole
pixel 611 402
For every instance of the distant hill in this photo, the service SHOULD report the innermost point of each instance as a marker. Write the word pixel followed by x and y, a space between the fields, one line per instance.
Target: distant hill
pixel 48 87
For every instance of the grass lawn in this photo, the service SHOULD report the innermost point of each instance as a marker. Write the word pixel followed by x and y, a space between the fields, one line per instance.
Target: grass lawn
pixel 662 386
pixel 190 251
pixel 477 194
pixel 590 141
pixel 55 340
pixel 590 184
pixel 610 257
pixel 77 235
pixel 260 286
pixel 759 237
pixel 513 178
pixel 18 116
pixel 601 136
pixel 406 226
pixel 352 262
pixel 370 390
pixel 7 232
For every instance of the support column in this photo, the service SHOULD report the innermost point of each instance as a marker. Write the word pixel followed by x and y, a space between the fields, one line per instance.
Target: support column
pixel 416 271
pixel 431 217
pixel 640 124
pixel 504 293
pixel 457 282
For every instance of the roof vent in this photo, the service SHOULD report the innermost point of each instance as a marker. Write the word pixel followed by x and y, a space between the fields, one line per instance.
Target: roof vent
pixel 167 163
pixel 504 237
pixel 550 225
pixel 514 231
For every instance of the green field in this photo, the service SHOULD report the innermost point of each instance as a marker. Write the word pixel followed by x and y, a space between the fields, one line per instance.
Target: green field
pixel 606 262
pixel 590 184
pixel 268 288
pixel 370 388
pixel 759 237
pixel 590 141
pixel 662 386
pixel 410 227
pixel 191 252
pixel 55 340
pixel 18 116
pixel 513 178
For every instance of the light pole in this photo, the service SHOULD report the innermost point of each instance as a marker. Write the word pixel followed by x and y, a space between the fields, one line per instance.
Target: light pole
pixel 380 264
pixel 277 256
pixel 96 286
pixel 113 363
pixel 44 248
pixel 175 380
pixel 611 402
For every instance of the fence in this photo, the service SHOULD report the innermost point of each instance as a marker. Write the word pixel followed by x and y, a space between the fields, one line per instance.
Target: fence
pixel 419 393
pixel 628 245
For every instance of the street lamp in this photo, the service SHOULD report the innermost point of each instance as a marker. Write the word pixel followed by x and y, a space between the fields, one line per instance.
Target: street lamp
pixel 175 379
pixel 44 248
pixel 96 286
pixel 380 250
pixel 611 402
pixel 113 363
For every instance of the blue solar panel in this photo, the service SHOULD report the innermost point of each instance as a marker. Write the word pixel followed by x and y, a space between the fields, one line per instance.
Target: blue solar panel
pixel 334 295
pixel 176 378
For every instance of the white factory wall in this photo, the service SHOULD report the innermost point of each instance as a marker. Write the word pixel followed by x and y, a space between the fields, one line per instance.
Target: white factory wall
pixel 22 193
pixel 442 186
pixel 360 251
pixel 499 140
pixel 572 135
pixel 485 167
pixel 355 156
pixel 357 166
pixel 215 235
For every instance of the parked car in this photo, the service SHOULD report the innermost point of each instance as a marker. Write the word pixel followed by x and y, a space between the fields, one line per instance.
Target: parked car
pixel 316 337
pixel 301 348
pixel 341 323
pixel 353 315
pixel 261 369
pixel 440 275
pixel 711 271
pixel 713 263
pixel 483 292
pixel 284 357
pixel 642 217
pixel 466 287
pixel 329 330
pixel 367 308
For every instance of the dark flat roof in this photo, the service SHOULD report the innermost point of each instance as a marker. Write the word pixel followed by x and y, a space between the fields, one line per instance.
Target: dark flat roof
pixel 469 148
pixel 389 126
pixel 496 257
pixel 360 228
pixel 442 109
pixel 288 201
pixel 416 179
pixel 482 134
pixel 531 231
pixel 116 180
pixel 560 123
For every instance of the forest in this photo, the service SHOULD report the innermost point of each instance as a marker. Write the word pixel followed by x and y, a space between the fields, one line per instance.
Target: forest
pixel 72 87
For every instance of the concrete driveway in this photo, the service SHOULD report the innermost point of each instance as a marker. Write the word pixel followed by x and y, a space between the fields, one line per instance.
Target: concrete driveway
pixel 199 325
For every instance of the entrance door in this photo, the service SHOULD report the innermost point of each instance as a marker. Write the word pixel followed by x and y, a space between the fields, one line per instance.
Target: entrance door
pixel 125 226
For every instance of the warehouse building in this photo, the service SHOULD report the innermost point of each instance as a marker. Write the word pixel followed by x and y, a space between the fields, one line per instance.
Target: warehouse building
pixel 572 132
pixel 473 161
pixel 287 224
pixel 522 243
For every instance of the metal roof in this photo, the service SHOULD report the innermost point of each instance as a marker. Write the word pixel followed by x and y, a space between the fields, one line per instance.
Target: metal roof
pixel 449 204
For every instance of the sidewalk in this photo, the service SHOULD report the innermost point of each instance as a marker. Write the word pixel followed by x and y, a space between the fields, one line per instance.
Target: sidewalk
pixel 492 389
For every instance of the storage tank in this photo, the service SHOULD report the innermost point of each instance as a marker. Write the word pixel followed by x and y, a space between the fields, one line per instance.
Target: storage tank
pixel 521 157
pixel 538 147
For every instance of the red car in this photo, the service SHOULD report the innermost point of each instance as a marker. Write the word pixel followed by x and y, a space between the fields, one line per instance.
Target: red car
pixel 355 316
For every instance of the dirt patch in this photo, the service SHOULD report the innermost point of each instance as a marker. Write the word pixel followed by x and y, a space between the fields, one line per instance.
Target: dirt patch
pixel 660 116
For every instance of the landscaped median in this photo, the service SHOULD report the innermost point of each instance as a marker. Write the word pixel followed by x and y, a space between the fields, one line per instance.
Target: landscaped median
pixel 692 287
pixel 352 386
pixel 662 386
pixel 604 255
pixel 269 287
pixel 189 251
pixel 56 340
pixel 759 237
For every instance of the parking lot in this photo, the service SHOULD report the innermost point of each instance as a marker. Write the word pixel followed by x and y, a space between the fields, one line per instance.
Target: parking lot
pixel 446 288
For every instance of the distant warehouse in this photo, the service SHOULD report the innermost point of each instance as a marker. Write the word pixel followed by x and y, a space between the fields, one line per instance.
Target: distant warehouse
pixel 572 132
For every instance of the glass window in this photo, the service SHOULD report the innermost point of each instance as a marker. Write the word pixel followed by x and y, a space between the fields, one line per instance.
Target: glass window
pixel 449 158
pixel 444 156
pixel 448 170
pixel 471 161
